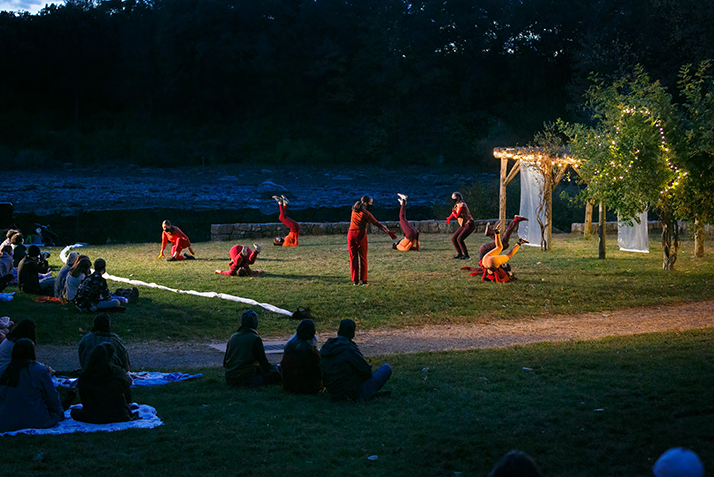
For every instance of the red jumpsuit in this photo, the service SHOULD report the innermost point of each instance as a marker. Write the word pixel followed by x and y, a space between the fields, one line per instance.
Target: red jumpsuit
pixel 239 261
pixel 179 240
pixel 291 240
pixel 357 242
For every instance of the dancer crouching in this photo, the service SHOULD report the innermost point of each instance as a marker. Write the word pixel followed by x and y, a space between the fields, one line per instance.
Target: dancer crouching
pixel 241 259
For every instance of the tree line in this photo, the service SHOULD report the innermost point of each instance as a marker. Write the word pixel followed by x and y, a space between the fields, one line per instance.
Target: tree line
pixel 188 82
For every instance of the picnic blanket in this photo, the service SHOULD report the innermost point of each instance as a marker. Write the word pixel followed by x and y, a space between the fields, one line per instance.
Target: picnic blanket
pixel 148 420
pixel 141 378
pixel 7 296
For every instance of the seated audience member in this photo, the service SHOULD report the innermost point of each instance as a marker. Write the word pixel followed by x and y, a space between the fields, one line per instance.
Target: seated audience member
pixel 26 328
pixel 5 324
pixel 28 271
pixel 241 259
pixel 300 366
pixel 8 236
pixel 345 372
pixel 179 241
pixel 101 333
pixel 104 390
pixel 28 399
pixel 18 249
pixel 515 464
pixel 93 293
pixel 6 275
pixel 678 462
pixel 79 271
pixel 61 278
pixel 245 361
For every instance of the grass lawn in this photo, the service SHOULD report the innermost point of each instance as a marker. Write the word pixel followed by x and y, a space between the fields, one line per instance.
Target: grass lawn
pixel 608 407
pixel 406 289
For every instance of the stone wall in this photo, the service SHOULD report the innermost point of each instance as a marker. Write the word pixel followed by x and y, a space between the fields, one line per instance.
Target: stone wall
pixel 238 232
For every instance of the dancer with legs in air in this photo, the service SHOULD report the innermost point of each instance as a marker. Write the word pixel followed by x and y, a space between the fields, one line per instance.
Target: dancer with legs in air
pixel 411 234
pixel 505 238
pixel 492 263
pixel 291 240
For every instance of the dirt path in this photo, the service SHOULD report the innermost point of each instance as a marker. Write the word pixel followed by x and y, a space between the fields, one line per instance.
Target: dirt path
pixel 186 355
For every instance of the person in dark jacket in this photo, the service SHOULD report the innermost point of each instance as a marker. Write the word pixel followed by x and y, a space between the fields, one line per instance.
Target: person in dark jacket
pixel 300 366
pixel 104 389
pixel 28 399
pixel 101 333
pixel 245 361
pixel 28 271
pixel 345 372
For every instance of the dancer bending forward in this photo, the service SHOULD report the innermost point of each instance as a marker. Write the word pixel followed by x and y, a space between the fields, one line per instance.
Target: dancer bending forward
pixel 411 234
pixel 291 240
pixel 180 241
pixel 241 259
pixel 357 239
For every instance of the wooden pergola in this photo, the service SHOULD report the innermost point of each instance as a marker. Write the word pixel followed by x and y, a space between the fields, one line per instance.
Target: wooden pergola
pixel 553 167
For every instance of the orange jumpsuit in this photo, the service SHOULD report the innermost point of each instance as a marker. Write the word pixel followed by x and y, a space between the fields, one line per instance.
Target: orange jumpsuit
pixel 291 240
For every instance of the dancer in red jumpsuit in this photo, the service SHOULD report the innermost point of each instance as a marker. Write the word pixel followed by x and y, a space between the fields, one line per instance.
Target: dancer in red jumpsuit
pixel 467 225
pixel 411 234
pixel 179 240
pixel 241 258
pixel 291 240
pixel 357 239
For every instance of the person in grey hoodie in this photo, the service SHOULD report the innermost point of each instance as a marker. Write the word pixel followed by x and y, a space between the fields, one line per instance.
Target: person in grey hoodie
pixel 345 373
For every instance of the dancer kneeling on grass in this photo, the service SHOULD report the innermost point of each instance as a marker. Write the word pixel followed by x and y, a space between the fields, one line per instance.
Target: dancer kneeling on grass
pixel 357 239
pixel 492 263
pixel 345 372
pixel 245 361
pixel 291 240
pixel 104 390
pixel 179 240
pixel 461 213
pixel 241 259
pixel 411 234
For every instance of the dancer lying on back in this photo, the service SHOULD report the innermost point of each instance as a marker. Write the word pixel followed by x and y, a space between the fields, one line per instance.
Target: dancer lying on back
pixel 291 240
pixel 411 234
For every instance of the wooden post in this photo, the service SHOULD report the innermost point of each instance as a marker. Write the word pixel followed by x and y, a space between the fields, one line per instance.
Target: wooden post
pixel 698 239
pixel 601 232
pixel 548 192
pixel 587 231
pixel 502 194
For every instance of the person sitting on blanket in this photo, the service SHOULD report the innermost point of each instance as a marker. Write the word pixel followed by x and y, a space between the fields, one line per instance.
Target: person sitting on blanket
pixel 180 241
pixel 93 293
pixel 29 270
pixel 101 333
pixel 62 274
pixel 241 259
pixel 28 399
pixel 6 267
pixel 104 390
pixel 19 250
pixel 245 361
pixel 300 366
pixel 26 328
pixel 345 372
pixel 8 236
pixel 79 271
pixel 5 324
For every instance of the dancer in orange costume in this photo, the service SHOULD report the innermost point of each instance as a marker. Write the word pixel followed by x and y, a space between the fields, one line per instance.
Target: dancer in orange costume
pixel 180 241
pixel 411 234
pixel 357 239
pixel 491 264
pixel 291 240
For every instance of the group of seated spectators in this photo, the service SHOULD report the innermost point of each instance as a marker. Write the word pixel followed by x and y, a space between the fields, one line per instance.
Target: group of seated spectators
pixel 337 367
pixel 28 398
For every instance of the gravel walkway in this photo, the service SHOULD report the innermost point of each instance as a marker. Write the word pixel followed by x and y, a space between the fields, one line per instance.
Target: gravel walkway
pixel 187 355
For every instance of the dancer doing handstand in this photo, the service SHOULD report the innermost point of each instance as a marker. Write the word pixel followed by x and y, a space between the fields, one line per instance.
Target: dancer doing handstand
pixel 291 240
pixel 492 263
pixel 487 247
pixel 411 234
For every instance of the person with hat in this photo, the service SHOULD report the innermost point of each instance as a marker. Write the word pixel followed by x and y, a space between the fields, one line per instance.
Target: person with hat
pixel 28 271
pixel 101 333
pixel 678 462
pixel 62 274
pixel 300 366
pixel 245 362
pixel 345 372
pixel 242 257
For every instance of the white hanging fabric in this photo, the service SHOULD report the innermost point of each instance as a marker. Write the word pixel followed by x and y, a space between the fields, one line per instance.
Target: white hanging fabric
pixel 634 238
pixel 531 190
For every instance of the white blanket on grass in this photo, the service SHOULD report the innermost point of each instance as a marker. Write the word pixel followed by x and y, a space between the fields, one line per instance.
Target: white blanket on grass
pixel 148 420
pixel 142 378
